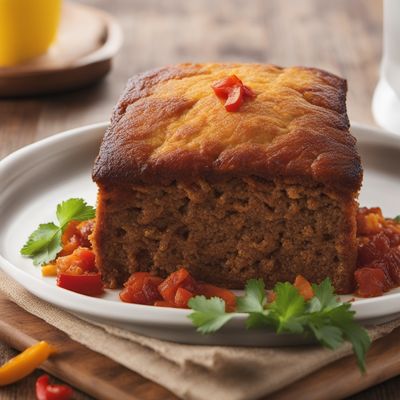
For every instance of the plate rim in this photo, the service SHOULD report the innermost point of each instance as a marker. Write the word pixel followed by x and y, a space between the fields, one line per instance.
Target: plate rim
pixel 147 315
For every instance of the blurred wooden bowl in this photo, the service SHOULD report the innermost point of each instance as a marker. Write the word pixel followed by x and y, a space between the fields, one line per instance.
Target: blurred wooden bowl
pixel 88 38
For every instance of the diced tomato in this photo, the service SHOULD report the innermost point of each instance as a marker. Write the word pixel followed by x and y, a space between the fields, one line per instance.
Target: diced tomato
pixel 174 291
pixel 370 282
pixel 369 221
pixel 214 291
pixel 85 229
pixel 76 234
pixel 80 261
pixel 70 231
pixel 70 239
pixel 136 280
pixel 388 282
pixel 89 284
pixel 87 259
pixel 376 248
pixel 304 287
pixel 141 288
pixel 170 285
pixel 128 295
pixel 190 284
pixel 235 99
pixel 392 260
pixel 150 291
pixel 182 297
pixel 68 248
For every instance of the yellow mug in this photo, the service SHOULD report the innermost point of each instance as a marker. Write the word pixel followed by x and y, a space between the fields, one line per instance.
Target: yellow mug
pixel 27 28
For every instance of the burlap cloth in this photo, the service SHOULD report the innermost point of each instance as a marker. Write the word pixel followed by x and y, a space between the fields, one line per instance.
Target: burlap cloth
pixel 191 372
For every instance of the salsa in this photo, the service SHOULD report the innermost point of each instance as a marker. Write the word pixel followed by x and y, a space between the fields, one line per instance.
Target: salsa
pixel 378 260
pixel 377 271
pixel 174 291
pixel 75 265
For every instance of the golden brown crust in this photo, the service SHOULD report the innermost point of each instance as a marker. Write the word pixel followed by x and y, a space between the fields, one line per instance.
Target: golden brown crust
pixel 169 125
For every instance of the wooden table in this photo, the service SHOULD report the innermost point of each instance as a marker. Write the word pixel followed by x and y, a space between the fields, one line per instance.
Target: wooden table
pixel 341 36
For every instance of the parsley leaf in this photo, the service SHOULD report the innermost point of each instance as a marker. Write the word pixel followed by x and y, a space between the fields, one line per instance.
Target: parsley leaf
pixel 342 317
pixel 258 320
pixel 74 209
pixel 45 242
pixel 209 314
pixel 324 317
pixel 328 336
pixel 287 308
pixel 325 295
pixel 254 298
pixel 253 302
pixel 397 219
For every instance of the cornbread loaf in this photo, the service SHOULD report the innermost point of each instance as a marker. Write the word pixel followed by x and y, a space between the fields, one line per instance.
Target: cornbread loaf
pixel 266 192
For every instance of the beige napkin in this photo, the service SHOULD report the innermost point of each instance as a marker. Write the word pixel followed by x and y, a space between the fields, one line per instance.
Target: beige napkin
pixel 191 372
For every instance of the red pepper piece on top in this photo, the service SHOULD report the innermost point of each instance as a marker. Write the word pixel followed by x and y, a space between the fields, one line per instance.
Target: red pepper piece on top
pixel 235 99
pixel 223 87
pixel 232 90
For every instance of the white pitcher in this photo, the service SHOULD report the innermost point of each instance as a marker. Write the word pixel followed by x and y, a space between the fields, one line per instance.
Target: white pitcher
pixel 386 100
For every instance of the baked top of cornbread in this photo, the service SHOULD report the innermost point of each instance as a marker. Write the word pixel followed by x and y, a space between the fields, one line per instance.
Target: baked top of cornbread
pixel 169 125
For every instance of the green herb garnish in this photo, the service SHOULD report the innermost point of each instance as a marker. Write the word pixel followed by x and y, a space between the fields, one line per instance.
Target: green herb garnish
pixel 324 316
pixel 397 219
pixel 45 242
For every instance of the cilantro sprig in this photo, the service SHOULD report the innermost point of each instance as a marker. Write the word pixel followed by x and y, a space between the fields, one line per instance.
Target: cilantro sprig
pixel 45 242
pixel 323 317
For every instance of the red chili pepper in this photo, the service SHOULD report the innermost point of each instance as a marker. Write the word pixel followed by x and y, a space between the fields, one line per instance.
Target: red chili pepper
pixel 45 391
pixel 41 385
pixel 223 87
pixel 232 90
pixel 235 99
pixel 88 284
pixel 58 392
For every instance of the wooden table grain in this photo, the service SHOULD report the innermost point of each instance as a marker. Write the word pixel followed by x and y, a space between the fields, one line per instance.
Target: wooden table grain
pixel 341 36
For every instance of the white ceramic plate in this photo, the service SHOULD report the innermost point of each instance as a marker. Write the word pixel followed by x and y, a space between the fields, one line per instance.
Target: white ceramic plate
pixel 35 179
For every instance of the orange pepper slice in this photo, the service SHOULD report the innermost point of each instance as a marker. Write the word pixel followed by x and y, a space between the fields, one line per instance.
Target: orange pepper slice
pixel 25 363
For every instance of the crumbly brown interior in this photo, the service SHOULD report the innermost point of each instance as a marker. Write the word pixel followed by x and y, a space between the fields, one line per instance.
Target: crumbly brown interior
pixel 226 232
